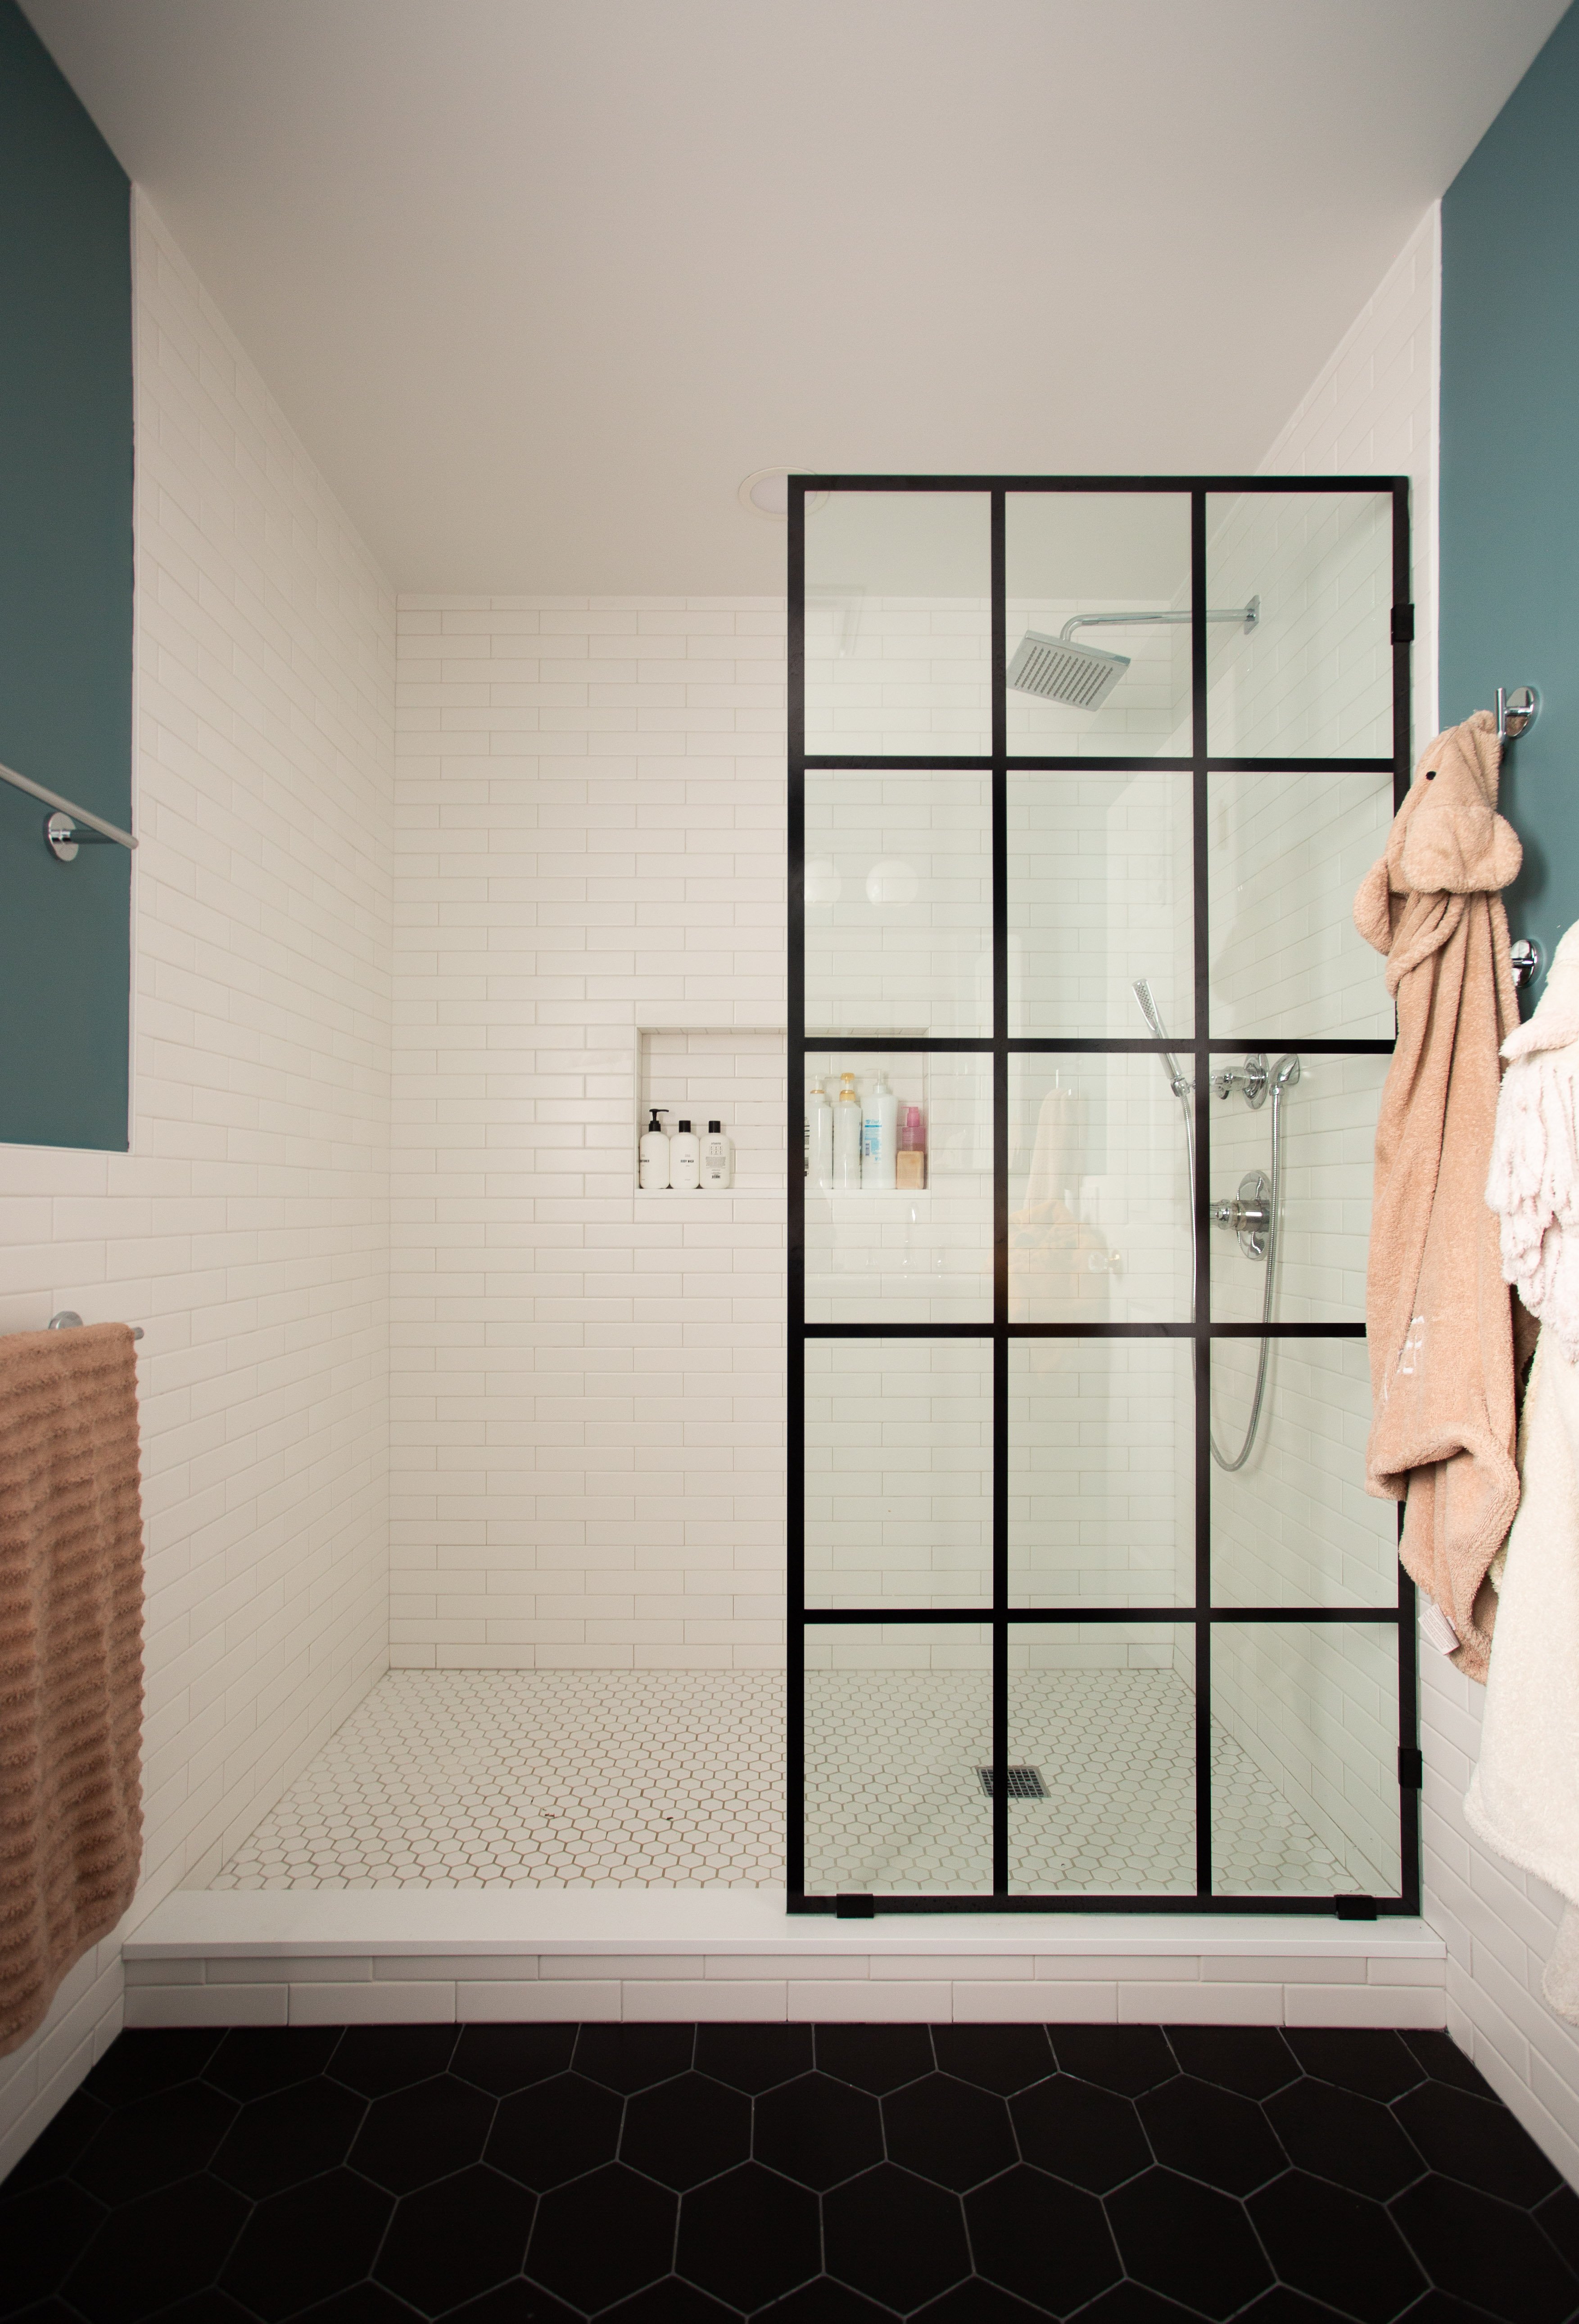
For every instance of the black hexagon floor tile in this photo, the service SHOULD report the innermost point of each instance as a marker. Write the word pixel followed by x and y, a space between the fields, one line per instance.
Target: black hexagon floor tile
pixel 661 2174
pixel 1001 2058
pixel 686 2131
pixel 875 2058
pixel 817 2131
pixel 1090 2136
pixel 1128 2059
pixel 748 2237
pixel 895 2238
pixel 753 2058
pixel 1047 2243
pixel 1336 2246
pixel 948 2131
pixel 1210 2134
pixel 556 2131
pixel 1339 2136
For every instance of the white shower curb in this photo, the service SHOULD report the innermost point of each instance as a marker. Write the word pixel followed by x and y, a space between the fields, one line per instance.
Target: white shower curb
pixel 296 1956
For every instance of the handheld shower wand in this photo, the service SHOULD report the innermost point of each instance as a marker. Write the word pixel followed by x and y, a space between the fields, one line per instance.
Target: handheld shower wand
pixel 1282 1077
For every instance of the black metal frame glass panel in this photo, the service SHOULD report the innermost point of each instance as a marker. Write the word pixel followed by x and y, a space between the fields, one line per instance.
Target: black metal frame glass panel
pixel 1024 1611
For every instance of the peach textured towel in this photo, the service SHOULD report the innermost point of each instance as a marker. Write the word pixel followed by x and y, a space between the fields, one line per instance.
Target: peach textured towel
pixel 1439 1317
pixel 71 1656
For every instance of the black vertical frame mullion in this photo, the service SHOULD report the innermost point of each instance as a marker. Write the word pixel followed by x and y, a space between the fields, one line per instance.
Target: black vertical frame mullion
pixel 1409 1675
pixel 1000 816
pixel 795 1335
pixel 1201 1314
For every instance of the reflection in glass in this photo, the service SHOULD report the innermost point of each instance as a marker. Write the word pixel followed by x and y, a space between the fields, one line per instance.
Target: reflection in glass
pixel 1100 893
pixel 1313 680
pixel 1101 1472
pixel 1305 1795
pixel 898 1472
pixel 1093 668
pixel 899 903
pixel 911 1255
pixel 1328 1141
pixel 899 624
pixel 1105 1714
pixel 1285 855
pixel 1098 1197
pixel 899 1720
pixel 1296 1526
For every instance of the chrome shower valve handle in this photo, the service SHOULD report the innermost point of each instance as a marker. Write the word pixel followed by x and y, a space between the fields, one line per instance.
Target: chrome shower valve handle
pixel 1250 1216
pixel 1251 1077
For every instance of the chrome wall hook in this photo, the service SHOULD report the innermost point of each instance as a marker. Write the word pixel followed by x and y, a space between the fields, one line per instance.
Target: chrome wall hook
pixel 1526 958
pixel 1516 712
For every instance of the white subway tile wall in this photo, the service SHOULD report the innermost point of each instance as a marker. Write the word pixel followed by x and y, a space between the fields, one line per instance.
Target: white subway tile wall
pixel 247 1228
pixel 587 1413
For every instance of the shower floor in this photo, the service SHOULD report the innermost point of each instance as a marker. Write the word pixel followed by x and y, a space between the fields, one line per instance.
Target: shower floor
pixel 563 1779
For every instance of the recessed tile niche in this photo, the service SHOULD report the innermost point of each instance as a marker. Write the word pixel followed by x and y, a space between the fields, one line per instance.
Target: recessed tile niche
pixel 731 1074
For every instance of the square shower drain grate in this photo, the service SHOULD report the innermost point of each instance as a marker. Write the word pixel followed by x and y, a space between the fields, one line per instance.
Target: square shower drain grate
pixel 1024 1782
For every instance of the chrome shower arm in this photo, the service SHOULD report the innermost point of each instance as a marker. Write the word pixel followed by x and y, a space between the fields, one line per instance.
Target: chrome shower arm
pixel 1249 615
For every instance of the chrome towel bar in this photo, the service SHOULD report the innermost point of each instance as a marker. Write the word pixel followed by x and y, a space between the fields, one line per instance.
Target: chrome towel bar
pixel 62 841
pixel 69 1320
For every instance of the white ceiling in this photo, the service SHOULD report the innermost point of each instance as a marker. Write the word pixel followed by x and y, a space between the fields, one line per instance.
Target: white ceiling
pixel 539 281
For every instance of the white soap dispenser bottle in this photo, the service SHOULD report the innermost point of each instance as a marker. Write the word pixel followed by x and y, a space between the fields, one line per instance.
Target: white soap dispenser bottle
pixel 879 1136
pixel 848 1137
pixel 819 1139
pixel 717 1157
pixel 684 1160
pixel 654 1153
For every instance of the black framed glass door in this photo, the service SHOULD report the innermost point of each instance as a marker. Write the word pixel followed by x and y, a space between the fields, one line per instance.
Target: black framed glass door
pixel 1088 1609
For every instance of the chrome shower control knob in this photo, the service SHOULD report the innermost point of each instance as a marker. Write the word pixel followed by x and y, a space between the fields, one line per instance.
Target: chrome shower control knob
pixel 1526 959
pixel 1250 1216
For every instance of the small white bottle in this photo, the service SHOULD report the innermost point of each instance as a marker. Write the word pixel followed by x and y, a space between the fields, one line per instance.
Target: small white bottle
pixel 717 1157
pixel 684 1160
pixel 654 1153
pixel 819 1139
pixel 848 1137
pixel 879 1138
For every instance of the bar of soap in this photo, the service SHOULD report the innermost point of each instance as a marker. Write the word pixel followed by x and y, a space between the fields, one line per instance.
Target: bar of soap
pixel 909 1168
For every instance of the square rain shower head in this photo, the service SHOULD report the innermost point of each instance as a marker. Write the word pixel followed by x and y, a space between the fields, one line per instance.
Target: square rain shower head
pixel 1056 670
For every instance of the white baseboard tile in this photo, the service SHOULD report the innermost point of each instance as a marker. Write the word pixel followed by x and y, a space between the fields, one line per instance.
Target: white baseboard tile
pixel 1244 1970
pixel 1408 1972
pixel 429 2002
pixel 208 2004
pixel 548 2001
pixel 1419 2008
pixel 300 1969
pixel 413 1968
pixel 1035 2003
pixel 1020 1967
pixel 843 1966
pixel 1114 1968
pixel 1200 2005
pixel 715 2001
pixel 870 2001
pixel 649 1968
pixel 166 1972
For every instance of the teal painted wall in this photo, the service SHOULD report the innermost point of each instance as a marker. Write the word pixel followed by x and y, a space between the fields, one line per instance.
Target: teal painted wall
pixel 1510 464
pixel 65 602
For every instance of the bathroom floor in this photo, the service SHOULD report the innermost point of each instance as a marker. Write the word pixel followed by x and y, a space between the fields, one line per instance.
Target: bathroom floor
pixel 458 1779
pixel 678 2175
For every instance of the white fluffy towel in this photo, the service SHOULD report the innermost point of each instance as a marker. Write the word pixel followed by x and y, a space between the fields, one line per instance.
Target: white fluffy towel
pixel 1534 1181
pixel 1523 1799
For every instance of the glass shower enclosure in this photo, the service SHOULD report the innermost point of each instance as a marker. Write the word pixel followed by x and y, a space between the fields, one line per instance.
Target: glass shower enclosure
pixel 1089 1609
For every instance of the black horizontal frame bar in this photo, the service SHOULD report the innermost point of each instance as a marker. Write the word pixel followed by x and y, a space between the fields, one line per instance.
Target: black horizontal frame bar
pixel 1091 1331
pixel 852 762
pixel 870 1617
pixel 1094 1044
pixel 1312 1907
pixel 1316 486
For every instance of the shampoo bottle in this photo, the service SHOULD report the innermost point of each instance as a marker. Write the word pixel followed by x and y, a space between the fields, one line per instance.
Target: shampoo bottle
pixel 848 1137
pixel 684 1160
pixel 654 1154
pixel 879 1136
pixel 819 1139
pixel 717 1157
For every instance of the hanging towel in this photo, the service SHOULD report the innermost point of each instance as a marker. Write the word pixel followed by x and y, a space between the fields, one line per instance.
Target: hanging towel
pixel 1534 1180
pixel 1439 1319
pixel 1523 1798
pixel 71 1656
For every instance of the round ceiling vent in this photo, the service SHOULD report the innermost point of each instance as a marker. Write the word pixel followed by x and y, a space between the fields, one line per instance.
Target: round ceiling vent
pixel 766 492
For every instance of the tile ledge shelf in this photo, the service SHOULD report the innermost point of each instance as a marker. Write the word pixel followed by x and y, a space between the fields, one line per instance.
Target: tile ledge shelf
pixel 197 1923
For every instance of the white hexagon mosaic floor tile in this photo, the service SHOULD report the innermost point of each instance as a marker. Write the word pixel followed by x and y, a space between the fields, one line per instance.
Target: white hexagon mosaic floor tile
pixel 562 1779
